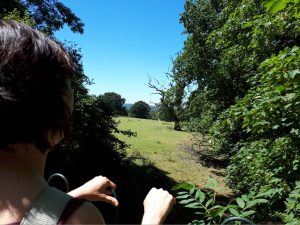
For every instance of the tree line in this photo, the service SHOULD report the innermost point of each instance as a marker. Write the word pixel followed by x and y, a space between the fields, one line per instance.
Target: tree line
pixel 115 105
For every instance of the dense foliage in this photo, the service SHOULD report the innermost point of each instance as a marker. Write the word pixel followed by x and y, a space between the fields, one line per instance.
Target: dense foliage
pixel 242 60
pixel 48 15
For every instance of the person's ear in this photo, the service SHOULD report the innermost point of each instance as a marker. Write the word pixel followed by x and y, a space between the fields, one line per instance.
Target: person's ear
pixel 54 137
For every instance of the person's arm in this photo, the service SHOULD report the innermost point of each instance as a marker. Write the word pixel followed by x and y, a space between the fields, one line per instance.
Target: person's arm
pixel 86 214
pixel 97 189
pixel 157 205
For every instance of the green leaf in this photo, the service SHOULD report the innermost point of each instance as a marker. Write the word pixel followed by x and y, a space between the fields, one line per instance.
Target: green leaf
pixel 255 202
pixel 213 184
pixel 208 202
pixel 245 198
pixel 217 211
pixel 197 222
pixel 251 204
pixel 240 202
pixel 248 213
pixel 234 212
pixel 182 196
pixel 201 196
pixel 295 131
pixel 297 13
pixel 247 24
pixel 197 194
pixel 288 106
pixel 193 205
pixel 294 49
pixel 262 200
pixel 290 96
pixel 267 193
pixel 186 201
pixel 192 190
pixel 182 193
pixel 293 73
pixel 232 206
pixel 185 186
pixel 280 88
pixel 273 6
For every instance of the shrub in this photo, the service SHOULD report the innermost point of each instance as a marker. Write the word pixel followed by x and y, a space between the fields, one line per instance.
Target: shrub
pixel 209 211
pixel 291 216
pixel 261 132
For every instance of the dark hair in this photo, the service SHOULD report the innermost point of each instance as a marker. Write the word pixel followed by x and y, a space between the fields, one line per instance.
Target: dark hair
pixel 33 75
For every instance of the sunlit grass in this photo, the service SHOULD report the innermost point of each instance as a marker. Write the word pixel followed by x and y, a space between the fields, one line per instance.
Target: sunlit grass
pixel 160 144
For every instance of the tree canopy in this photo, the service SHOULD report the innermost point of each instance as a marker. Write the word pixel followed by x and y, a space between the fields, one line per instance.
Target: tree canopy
pixel 140 109
pixel 114 103
pixel 47 15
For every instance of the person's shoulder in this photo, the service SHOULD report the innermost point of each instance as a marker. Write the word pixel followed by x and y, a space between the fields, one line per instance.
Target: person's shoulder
pixel 87 213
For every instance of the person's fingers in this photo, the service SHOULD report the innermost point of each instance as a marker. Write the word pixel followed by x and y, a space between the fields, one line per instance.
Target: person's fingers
pixel 106 182
pixel 157 205
pixel 112 185
pixel 110 200
pixel 108 192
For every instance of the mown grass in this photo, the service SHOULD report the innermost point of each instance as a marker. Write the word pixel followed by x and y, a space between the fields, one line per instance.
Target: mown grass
pixel 157 143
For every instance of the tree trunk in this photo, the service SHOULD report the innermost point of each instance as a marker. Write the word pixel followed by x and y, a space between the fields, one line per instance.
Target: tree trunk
pixel 177 125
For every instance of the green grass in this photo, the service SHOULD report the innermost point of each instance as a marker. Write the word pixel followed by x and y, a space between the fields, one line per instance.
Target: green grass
pixel 161 145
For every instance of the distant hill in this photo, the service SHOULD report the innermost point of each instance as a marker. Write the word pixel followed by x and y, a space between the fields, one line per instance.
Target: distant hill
pixel 127 105
pixel 153 108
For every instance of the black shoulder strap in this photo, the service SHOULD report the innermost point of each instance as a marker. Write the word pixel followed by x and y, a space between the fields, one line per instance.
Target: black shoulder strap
pixel 46 208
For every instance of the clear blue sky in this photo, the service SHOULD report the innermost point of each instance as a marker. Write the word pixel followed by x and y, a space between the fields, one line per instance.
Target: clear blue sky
pixel 124 41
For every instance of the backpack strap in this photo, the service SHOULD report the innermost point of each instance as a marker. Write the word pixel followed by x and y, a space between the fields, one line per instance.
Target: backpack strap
pixel 71 207
pixel 47 207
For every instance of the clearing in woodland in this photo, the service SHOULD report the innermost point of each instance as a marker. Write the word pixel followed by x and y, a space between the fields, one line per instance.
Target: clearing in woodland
pixel 157 143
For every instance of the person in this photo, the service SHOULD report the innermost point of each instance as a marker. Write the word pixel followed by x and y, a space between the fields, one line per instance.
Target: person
pixel 36 103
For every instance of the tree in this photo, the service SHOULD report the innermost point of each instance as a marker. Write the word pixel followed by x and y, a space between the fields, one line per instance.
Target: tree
pixel 48 15
pixel 114 103
pixel 171 101
pixel 140 109
pixel 194 66
pixel 164 113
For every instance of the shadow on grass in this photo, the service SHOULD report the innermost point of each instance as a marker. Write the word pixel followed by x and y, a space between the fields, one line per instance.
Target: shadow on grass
pixel 206 159
pixel 219 173
pixel 133 183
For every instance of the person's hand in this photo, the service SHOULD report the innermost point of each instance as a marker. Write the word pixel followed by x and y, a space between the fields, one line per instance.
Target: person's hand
pixel 157 206
pixel 96 189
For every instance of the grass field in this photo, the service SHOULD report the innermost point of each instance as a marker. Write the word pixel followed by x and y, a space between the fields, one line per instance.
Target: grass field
pixel 159 144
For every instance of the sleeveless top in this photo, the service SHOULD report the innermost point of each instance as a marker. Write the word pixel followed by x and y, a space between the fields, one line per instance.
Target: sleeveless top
pixel 70 208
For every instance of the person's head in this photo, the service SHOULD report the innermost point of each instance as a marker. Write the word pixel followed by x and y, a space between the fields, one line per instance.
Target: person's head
pixel 35 73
